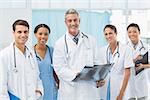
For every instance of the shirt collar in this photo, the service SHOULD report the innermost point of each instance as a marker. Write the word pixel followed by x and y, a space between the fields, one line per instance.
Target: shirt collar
pixel 135 47
pixel 71 36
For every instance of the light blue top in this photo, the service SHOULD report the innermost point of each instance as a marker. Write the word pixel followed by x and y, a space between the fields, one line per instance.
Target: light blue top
pixel 46 75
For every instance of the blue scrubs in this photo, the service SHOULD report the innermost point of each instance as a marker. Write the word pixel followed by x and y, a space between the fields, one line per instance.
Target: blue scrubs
pixel 109 60
pixel 46 75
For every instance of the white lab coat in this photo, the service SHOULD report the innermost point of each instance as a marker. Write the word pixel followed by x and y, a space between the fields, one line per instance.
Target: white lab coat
pixel 85 53
pixel 116 74
pixel 140 83
pixel 103 90
pixel 22 83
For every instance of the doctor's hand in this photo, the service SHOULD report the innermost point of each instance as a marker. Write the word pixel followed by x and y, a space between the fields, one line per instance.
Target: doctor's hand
pixel 38 94
pixel 139 57
pixel 100 83
pixel 120 97
pixel 139 66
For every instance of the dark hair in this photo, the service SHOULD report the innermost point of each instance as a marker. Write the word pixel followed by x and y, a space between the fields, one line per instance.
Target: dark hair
pixel 133 25
pixel 41 25
pixel 111 27
pixel 20 22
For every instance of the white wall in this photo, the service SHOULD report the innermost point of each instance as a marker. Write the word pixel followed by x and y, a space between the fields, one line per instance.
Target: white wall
pixel 92 4
pixel 121 21
pixel 7 17
pixel 10 10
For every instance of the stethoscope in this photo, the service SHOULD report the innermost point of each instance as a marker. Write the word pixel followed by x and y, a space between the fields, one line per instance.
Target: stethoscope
pixel 142 47
pixel 15 61
pixel 108 58
pixel 39 57
pixel 66 44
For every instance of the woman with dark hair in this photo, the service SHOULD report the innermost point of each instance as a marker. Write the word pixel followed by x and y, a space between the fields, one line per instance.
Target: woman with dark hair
pixel 44 58
pixel 139 49
pixel 120 56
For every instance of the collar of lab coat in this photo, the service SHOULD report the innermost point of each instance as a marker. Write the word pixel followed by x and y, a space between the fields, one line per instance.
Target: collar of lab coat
pixel 70 37
pixel 27 54
pixel 138 45
pixel 116 50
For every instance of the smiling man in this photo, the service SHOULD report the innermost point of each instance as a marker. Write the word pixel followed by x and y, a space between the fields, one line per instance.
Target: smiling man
pixel 20 75
pixel 72 52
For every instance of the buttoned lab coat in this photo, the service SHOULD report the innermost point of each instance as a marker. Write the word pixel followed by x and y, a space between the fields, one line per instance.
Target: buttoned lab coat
pixel 116 74
pixel 140 82
pixel 23 82
pixel 67 66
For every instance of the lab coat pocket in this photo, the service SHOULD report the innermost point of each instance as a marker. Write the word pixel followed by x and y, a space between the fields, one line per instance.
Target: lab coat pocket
pixel 34 75
pixel 39 97
pixel 89 57
pixel 116 84
pixel 13 78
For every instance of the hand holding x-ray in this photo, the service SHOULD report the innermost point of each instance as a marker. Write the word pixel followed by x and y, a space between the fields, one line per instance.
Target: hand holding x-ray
pixel 93 73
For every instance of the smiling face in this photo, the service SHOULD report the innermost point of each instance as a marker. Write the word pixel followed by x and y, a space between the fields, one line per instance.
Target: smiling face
pixel 21 34
pixel 133 34
pixel 72 22
pixel 42 35
pixel 110 35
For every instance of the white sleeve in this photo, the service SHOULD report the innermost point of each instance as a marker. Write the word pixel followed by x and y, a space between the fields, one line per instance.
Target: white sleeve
pixel 128 61
pixel 39 81
pixel 102 55
pixel 3 78
pixel 96 56
pixel 149 54
pixel 60 65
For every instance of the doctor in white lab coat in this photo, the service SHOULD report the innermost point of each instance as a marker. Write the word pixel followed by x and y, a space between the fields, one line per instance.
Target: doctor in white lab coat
pixel 19 70
pixel 140 83
pixel 119 76
pixel 69 59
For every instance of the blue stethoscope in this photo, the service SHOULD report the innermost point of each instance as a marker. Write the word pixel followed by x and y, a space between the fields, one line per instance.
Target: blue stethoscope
pixel 15 64
pixel 66 44
pixel 108 53
pixel 39 57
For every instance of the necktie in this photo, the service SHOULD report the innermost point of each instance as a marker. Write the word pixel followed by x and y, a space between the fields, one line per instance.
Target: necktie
pixel 75 39
pixel 134 46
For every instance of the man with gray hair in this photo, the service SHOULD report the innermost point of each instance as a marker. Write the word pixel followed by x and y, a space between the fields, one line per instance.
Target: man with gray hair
pixel 72 52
